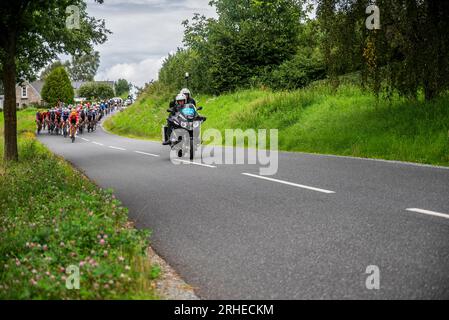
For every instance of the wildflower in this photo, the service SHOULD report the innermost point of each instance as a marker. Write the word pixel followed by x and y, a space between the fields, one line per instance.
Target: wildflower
pixel 45 247
pixel 17 262
pixel 102 242
pixel 127 268
pixel 105 253
pixel 121 259
pixel 82 263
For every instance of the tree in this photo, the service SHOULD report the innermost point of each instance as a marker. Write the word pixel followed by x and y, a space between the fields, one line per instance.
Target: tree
pixel 58 87
pixel 408 54
pixel 122 87
pixel 249 38
pixel 32 33
pixel 83 67
pixel 53 66
pixel 95 90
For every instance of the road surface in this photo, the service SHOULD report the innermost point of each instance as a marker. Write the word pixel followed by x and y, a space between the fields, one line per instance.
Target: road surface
pixel 310 232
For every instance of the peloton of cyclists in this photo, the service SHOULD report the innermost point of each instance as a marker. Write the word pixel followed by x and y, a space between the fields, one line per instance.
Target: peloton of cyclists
pixel 69 119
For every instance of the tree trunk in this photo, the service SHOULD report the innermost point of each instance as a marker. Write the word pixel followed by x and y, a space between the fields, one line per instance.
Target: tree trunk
pixel 9 108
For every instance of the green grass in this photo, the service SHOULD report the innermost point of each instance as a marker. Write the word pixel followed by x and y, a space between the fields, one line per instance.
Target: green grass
pixel 348 122
pixel 52 217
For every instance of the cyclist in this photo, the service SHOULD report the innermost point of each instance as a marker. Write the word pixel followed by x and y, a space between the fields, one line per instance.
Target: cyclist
pixel 65 118
pixel 73 120
pixel 39 121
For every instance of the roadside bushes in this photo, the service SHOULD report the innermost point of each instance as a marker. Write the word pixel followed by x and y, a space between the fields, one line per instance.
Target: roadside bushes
pixel 53 218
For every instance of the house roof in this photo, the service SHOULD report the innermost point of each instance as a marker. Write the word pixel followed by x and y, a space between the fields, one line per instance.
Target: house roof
pixel 37 85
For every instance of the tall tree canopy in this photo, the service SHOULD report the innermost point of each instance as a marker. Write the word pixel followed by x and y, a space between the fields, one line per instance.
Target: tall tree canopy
pixel 249 38
pixel 52 66
pixel 57 87
pixel 122 86
pixel 32 33
pixel 84 66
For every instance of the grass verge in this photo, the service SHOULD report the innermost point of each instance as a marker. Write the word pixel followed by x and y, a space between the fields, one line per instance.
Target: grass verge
pixel 51 218
pixel 348 122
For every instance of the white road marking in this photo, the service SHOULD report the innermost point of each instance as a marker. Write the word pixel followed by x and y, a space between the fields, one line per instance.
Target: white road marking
pixel 289 183
pixel 98 144
pixel 195 163
pixel 147 154
pixel 85 139
pixel 430 213
pixel 117 148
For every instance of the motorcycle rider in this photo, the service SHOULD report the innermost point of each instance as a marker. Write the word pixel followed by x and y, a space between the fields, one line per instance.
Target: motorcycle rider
pixel 189 99
pixel 179 102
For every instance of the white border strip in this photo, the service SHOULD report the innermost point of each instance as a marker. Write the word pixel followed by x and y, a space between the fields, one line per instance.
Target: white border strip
pixel 195 163
pixel 117 148
pixel 147 154
pixel 428 212
pixel 289 183
pixel 98 144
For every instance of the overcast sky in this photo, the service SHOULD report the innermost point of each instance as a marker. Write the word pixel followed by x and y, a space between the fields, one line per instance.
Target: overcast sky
pixel 144 33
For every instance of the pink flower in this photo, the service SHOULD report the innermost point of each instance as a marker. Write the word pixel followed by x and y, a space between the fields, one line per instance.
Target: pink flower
pixel 45 247
pixel 33 282
pixel 17 262
pixel 102 242
pixel 82 263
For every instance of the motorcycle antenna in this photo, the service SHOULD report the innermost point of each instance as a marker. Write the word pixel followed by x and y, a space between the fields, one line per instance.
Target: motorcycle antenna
pixel 187 76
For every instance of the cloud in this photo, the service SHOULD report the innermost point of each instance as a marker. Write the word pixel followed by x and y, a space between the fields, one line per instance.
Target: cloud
pixel 144 33
pixel 138 73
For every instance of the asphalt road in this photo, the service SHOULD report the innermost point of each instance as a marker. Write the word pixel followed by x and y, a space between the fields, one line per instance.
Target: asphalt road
pixel 236 236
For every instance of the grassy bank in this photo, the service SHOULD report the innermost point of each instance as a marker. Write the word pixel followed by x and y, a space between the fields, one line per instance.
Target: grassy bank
pixel 347 122
pixel 51 218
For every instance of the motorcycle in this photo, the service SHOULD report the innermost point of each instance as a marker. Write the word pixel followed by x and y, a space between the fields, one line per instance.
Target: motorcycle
pixel 185 136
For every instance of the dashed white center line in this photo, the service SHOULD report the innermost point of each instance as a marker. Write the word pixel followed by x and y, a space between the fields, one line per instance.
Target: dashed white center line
pixel 85 139
pixel 428 212
pixel 98 144
pixel 195 163
pixel 289 183
pixel 147 154
pixel 117 148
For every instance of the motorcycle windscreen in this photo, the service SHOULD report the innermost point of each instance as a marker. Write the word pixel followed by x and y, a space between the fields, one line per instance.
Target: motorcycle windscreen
pixel 188 111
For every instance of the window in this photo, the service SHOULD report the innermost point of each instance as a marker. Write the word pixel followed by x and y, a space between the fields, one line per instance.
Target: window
pixel 24 92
